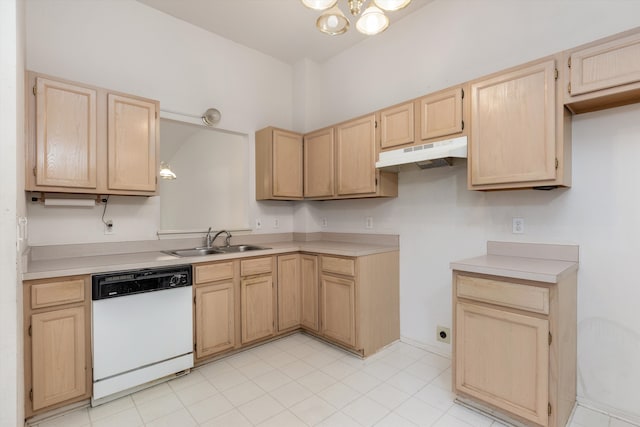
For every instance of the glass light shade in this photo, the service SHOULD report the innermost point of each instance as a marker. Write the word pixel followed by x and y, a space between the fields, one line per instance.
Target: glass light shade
pixel 391 5
pixel 372 21
pixel 333 22
pixel 319 4
pixel 166 172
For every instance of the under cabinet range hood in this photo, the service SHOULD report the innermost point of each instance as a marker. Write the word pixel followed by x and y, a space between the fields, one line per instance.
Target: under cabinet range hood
pixel 435 154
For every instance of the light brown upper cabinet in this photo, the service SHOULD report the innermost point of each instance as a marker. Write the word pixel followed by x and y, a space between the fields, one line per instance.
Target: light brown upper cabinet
pixel 131 143
pixel 356 173
pixel 604 74
pixel 278 165
pixel 520 131
pixel 440 114
pixel 397 126
pixel 319 159
pixel 84 139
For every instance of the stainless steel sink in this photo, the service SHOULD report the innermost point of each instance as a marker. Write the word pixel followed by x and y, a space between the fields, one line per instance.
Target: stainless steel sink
pixel 213 250
pixel 194 252
pixel 241 248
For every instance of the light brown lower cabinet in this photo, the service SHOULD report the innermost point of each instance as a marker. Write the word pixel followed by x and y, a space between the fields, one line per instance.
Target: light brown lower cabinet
pixel 289 308
pixel 338 302
pixel 309 292
pixel 257 299
pixel 216 301
pixel 514 347
pixel 57 342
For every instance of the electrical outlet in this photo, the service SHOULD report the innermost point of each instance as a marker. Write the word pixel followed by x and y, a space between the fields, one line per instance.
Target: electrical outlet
pixel 276 223
pixel 108 227
pixel 368 222
pixel 517 226
pixel 324 223
pixel 258 223
pixel 443 334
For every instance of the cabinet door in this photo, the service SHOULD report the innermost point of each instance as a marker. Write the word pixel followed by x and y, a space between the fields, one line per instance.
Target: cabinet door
pixel 502 358
pixel 397 126
pixel 356 156
pixel 256 300
pixel 441 114
pixel 65 135
pixel 309 269
pixel 215 324
pixel 318 164
pixel 287 164
pixel 606 65
pixel 513 118
pixel 58 356
pixel 338 309
pixel 289 308
pixel 132 144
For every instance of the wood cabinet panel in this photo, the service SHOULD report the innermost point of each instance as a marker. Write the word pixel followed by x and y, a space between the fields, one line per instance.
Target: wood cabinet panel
pixel 250 267
pixel 58 356
pixel 346 266
pixel 319 160
pixel 523 297
pixel 441 114
pixel 257 306
pixel 514 126
pixel 503 359
pixel 47 294
pixel 215 318
pixel 397 126
pixel 213 272
pixel 132 143
pixel 309 292
pixel 289 307
pixel 338 305
pixel 66 135
pixel 278 164
pixel 356 157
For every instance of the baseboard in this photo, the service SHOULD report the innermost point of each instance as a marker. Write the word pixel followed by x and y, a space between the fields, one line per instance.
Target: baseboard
pixel 428 347
pixel 609 410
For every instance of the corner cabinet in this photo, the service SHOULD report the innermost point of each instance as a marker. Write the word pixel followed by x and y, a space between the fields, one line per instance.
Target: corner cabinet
pixel 216 308
pixel 319 161
pixel 514 347
pixel 278 165
pixel 84 139
pixel 57 342
pixel 289 292
pixel 520 130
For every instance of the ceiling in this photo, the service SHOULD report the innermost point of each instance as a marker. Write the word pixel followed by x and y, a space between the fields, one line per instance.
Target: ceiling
pixel 284 29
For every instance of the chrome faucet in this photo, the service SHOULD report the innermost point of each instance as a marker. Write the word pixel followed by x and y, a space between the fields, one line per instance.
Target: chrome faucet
pixel 209 240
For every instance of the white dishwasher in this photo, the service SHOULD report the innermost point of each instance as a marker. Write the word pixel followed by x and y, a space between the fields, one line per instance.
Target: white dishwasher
pixel 142 328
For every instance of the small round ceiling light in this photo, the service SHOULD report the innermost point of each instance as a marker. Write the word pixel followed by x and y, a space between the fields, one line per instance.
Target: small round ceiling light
pixel 391 5
pixel 373 21
pixel 211 117
pixel 333 22
pixel 319 4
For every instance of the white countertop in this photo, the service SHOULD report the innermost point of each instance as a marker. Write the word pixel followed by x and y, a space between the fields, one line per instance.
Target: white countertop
pixel 77 265
pixel 528 261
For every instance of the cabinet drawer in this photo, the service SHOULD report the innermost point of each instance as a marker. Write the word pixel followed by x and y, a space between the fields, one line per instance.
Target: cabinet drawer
pixel 514 295
pixel 344 266
pixel 214 272
pixel 57 293
pixel 251 267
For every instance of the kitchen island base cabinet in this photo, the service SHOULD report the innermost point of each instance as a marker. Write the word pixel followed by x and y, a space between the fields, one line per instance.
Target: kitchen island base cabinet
pixel 514 347
pixel 57 342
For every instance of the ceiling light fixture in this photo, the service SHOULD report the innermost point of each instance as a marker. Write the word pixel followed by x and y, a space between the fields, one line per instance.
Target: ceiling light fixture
pixel 371 21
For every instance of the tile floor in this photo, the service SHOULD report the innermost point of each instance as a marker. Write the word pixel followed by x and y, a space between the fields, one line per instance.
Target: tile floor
pixel 300 381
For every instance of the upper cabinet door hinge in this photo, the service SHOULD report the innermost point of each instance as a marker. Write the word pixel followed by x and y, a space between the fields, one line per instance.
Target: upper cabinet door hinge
pixel 31 395
pixel 194 299
pixel 550 338
pixel 557 163
pixel 376 182
pixel 35 90
pixel 549 409
pixel 569 88
pixel 375 123
pixel 35 173
pixel 556 74
pixel 463 125
pixel 569 62
pixel 462 93
pixel 30 330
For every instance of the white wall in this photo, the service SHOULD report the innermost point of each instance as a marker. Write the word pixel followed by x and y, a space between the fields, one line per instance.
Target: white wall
pixel 11 125
pixel 127 46
pixel 439 220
